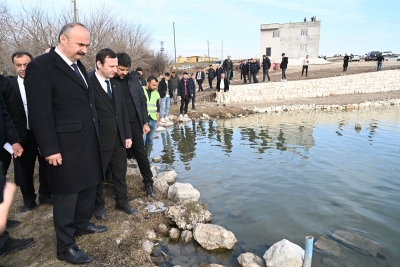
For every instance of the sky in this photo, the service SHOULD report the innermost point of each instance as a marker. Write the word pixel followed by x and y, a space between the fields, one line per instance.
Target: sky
pixel 347 26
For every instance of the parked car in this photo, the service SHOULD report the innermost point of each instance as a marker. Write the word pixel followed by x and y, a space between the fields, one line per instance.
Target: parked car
pixel 387 53
pixel 356 58
pixel 373 55
pixel 393 58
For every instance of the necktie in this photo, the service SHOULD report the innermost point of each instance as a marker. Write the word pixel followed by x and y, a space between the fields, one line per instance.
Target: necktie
pixel 79 74
pixel 109 93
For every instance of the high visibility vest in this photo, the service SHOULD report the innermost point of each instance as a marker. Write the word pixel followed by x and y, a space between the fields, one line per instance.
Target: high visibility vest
pixel 152 103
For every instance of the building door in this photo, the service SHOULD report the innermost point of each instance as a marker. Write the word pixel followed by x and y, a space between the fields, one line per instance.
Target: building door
pixel 268 52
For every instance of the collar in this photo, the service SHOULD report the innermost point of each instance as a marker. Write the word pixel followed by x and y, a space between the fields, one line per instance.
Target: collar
pixel 20 80
pixel 101 79
pixel 69 62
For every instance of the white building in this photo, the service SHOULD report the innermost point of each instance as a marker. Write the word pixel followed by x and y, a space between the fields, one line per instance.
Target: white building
pixel 296 40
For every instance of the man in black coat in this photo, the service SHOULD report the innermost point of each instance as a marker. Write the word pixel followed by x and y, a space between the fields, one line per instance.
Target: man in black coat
pixel 222 90
pixel 8 134
pixel 284 64
pixel 63 118
pixel 136 105
pixel 254 68
pixel 266 64
pixel 114 130
pixel 345 62
pixel 25 166
pixel 165 90
pixel 211 76
pixel 245 71
pixel 185 93
pixel 228 66
pixel 200 78
pixel 140 76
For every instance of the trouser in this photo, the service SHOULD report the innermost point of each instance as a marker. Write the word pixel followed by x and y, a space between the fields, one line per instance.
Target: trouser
pixel 379 67
pixel 194 102
pixel 116 159
pixel 3 238
pixel 241 75
pixel 184 105
pixel 265 73
pixel 200 82
pixel 139 152
pixel 222 97
pixel 244 77
pixel 284 74
pixel 305 67
pixel 345 66
pixel 165 103
pixel 175 96
pixel 5 158
pixel 210 81
pixel 25 169
pixel 72 212
pixel 228 75
pixel 254 75
pixel 149 137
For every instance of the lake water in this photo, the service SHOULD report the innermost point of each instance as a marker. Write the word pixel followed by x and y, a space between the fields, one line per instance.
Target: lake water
pixel 285 176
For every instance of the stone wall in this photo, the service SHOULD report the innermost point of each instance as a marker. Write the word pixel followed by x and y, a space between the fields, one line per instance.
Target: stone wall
pixel 372 82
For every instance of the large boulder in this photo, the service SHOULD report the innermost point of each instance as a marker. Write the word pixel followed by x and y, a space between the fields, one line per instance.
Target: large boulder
pixel 169 176
pixel 363 245
pixel 188 215
pixel 284 253
pixel 183 192
pixel 328 246
pixel 250 260
pixel 211 236
pixel 161 184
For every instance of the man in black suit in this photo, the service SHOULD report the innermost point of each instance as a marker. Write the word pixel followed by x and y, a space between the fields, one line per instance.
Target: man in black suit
pixel 9 134
pixel 63 118
pixel 114 130
pixel 200 78
pixel 222 90
pixel 25 170
pixel 136 105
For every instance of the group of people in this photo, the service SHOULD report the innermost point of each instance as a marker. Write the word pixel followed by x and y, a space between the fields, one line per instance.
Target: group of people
pixel 82 127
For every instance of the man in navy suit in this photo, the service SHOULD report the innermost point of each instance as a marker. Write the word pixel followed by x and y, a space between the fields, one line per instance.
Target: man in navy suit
pixel 63 118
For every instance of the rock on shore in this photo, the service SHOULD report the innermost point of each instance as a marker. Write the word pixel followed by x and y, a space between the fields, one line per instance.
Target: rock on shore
pixel 211 236
pixel 284 253
pixel 183 192
pixel 250 260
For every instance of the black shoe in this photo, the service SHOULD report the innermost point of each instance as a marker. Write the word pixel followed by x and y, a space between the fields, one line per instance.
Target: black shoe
pixel 150 190
pixel 28 207
pixel 11 224
pixel 224 105
pixel 91 229
pixel 194 108
pixel 46 201
pixel 74 256
pixel 126 208
pixel 100 214
pixel 14 245
pixel 217 105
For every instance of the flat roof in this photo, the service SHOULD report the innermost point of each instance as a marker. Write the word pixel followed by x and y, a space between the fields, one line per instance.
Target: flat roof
pixel 275 26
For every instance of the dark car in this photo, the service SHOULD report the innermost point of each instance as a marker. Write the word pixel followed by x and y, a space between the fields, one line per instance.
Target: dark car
pixel 373 55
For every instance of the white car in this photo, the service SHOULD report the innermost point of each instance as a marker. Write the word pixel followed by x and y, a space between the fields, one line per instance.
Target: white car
pixel 356 58
pixel 393 58
pixel 387 53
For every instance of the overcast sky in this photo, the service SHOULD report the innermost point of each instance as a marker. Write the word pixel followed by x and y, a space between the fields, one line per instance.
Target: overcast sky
pixel 347 26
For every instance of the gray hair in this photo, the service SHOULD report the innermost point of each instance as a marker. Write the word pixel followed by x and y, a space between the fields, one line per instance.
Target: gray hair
pixel 67 27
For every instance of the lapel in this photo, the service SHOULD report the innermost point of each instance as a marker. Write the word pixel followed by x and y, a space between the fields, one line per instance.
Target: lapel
pixel 63 66
pixel 115 89
pixel 101 93
pixel 15 85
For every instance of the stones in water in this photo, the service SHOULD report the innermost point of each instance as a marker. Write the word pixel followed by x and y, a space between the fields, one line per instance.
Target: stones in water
pixel 211 236
pixel 327 262
pixel 161 184
pixel 183 192
pixel 202 264
pixel 361 244
pixel 157 159
pixel 284 253
pixel 161 128
pixel 328 246
pixel 250 260
pixel 188 215
pixel 169 176
pixel 236 213
pixel 186 237
pixel 147 246
pixel 174 233
pixel 358 126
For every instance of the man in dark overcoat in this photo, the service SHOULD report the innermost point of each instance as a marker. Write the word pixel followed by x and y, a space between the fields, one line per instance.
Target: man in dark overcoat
pixel 63 118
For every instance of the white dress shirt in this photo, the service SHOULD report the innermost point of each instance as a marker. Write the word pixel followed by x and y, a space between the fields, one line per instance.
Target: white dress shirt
pixel 69 62
pixel 222 84
pixel 103 82
pixel 23 96
pixel 167 93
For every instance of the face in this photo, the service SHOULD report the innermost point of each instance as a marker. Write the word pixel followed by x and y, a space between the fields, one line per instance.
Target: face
pixel 20 64
pixel 74 46
pixel 140 72
pixel 173 74
pixel 222 75
pixel 185 76
pixel 193 76
pixel 306 56
pixel 152 85
pixel 229 58
pixel 166 77
pixel 122 71
pixel 108 69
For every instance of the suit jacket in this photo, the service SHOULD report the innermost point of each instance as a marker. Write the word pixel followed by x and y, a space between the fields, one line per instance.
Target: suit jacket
pixel 15 107
pixel 7 129
pixel 202 76
pixel 63 117
pixel 113 117
pixel 139 99
pixel 226 85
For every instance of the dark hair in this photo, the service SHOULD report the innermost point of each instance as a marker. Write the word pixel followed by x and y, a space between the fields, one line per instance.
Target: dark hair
pixel 283 54
pixel 124 59
pixel 173 72
pixel 151 78
pixel 19 54
pixel 210 65
pixel 185 73
pixel 67 27
pixel 102 54
pixel 167 74
pixel 139 69
pixel 264 55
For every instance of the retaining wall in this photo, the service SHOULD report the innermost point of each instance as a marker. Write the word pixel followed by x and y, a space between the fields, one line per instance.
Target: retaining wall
pixel 372 82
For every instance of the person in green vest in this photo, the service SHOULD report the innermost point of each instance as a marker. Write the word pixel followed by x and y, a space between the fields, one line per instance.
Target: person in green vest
pixel 153 108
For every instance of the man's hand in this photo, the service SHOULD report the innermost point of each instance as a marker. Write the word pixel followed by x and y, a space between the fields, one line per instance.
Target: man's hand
pixel 192 95
pixel 17 148
pixel 55 159
pixel 146 129
pixel 8 195
pixel 158 124
pixel 179 97
pixel 128 143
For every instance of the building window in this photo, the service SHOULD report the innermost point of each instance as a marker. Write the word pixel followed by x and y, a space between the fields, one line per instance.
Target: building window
pixel 304 32
pixel 268 51
pixel 275 34
pixel 303 47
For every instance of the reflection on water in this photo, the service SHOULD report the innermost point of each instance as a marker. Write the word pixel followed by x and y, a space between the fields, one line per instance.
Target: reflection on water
pixel 270 177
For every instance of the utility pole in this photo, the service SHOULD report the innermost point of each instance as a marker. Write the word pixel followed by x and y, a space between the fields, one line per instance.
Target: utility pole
pixel 75 20
pixel 222 49
pixel 162 47
pixel 208 45
pixel 174 41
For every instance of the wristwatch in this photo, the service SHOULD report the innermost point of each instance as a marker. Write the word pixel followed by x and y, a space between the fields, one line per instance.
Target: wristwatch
pixel 146 124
